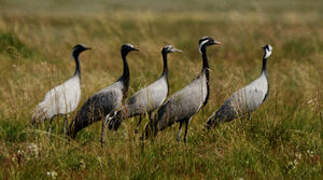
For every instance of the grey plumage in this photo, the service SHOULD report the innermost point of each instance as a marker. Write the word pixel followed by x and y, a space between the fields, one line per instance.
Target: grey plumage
pixel 245 100
pixel 147 99
pixel 181 106
pixel 63 98
pixel 104 101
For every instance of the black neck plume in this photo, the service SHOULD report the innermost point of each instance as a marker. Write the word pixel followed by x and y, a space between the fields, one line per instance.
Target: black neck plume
pixel 165 69
pixel 205 69
pixel 205 66
pixel 264 64
pixel 126 74
pixel 77 63
pixel 204 58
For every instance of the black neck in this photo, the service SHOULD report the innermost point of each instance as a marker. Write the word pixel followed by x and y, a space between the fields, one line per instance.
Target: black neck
pixel 77 64
pixel 205 70
pixel 205 66
pixel 126 72
pixel 264 64
pixel 165 69
pixel 125 78
pixel 204 58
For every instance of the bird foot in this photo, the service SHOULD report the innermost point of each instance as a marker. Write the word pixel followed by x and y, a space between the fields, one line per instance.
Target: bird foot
pixel 136 130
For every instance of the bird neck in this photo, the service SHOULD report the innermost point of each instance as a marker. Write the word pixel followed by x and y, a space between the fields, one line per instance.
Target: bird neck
pixel 77 64
pixel 126 74
pixel 204 58
pixel 205 66
pixel 165 68
pixel 264 66
pixel 205 70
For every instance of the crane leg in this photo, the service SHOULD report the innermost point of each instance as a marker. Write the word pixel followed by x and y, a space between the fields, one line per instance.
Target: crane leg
pixel 178 137
pixel 65 124
pixel 49 128
pixel 249 116
pixel 149 115
pixel 104 122
pixel 139 122
pixel 187 121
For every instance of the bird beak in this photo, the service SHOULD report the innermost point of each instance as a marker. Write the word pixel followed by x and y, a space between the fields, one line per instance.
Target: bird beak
pixel 88 48
pixel 177 50
pixel 217 42
pixel 135 49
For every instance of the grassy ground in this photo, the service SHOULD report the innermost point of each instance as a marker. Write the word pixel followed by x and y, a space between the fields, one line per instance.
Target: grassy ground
pixel 282 140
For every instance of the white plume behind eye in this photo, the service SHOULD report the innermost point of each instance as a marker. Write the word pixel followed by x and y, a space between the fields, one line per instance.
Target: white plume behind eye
pixel 202 44
pixel 268 51
pixel 130 45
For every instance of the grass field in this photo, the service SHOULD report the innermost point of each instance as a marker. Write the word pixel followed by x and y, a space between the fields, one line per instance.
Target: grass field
pixel 281 141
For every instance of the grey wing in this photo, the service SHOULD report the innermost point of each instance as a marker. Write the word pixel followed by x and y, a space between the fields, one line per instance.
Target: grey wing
pixel 148 98
pixel 247 99
pixel 95 108
pixel 182 105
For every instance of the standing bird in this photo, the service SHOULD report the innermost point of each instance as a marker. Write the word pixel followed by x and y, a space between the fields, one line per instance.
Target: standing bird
pixel 181 106
pixel 63 98
pixel 147 99
pixel 245 100
pixel 104 101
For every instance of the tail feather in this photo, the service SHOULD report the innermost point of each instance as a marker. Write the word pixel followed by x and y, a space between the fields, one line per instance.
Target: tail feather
pixel 226 113
pixel 82 120
pixel 212 121
pixel 115 120
pixel 38 116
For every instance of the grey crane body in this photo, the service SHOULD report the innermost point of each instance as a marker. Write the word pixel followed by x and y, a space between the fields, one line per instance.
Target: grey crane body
pixel 245 100
pixel 181 106
pixel 63 98
pixel 104 101
pixel 147 99
pixel 184 103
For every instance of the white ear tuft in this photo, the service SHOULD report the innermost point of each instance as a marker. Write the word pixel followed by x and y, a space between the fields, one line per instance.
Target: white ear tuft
pixel 268 51
pixel 202 44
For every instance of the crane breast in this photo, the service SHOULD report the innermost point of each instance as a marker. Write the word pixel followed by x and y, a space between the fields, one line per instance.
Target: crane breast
pixel 148 98
pixel 251 97
pixel 62 99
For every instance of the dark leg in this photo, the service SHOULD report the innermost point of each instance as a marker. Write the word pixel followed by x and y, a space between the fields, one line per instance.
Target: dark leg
pixel 249 116
pixel 49 128
pixel 149 115
pixel 65 124
pixel 145 133
pixel 178 137
pixel 138 124
pixel 104 122
pixel 187 121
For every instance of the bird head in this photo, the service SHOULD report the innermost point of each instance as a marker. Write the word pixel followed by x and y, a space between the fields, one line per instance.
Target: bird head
pixel 126 48
pixel 268 50
pixel 77 49
pixel 170 49
pixel 205 42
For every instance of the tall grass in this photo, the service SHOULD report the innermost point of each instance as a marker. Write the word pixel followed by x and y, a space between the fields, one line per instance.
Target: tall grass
pixel 282 139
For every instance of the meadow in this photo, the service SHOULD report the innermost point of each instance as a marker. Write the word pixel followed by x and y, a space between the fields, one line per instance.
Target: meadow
pixel 282 140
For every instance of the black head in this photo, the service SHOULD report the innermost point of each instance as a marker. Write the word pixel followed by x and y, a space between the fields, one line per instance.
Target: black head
pixel 268 50
pixel 170 49
pixel 77 49
pixel 207 41
pixel 126 48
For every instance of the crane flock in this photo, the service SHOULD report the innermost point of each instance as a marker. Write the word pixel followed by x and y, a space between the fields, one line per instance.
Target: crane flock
pixel 107 104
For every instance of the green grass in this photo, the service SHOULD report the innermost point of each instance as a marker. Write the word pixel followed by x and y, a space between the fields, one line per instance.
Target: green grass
pixel 281 141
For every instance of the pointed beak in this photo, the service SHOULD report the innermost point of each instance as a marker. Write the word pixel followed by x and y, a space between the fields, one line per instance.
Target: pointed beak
pixel 217 42
pixel 136 49
pixel 177 50
pixel 88 48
